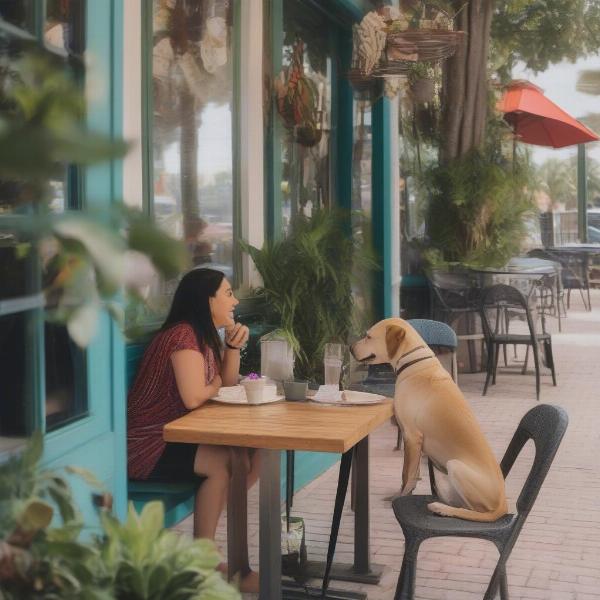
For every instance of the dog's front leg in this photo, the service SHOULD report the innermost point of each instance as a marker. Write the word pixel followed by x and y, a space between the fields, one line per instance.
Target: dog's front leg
pixel 413 444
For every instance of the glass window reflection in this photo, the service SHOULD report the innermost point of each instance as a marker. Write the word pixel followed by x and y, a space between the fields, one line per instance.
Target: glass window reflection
pixel 192 75
pixel 303 101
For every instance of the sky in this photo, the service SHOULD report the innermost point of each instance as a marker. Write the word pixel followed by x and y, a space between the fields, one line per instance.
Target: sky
pixel 214 144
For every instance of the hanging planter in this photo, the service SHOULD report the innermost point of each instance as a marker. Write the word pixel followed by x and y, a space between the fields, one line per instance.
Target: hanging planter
pixel 421 83
pixel 299 101
pixel 388 42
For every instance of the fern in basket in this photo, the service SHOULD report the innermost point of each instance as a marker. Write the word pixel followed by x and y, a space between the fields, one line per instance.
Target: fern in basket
pixel 310 281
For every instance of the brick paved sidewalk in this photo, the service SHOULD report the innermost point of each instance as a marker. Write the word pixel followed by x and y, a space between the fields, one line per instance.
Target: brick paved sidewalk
pixel 557 556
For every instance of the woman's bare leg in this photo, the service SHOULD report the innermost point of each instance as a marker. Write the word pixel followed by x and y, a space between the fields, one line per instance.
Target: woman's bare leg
pixel 254 466
pixel 214 463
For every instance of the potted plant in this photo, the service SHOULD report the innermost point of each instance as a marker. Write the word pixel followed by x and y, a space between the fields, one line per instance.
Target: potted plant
pixel 308 280
pixel 421 81
pixel 43 556
pixel 477 205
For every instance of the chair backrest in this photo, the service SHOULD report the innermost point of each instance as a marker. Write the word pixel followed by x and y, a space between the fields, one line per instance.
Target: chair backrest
pixel 574 266
pixel 497 298
pixel 453 289
pixel 545 425
pixel 435 333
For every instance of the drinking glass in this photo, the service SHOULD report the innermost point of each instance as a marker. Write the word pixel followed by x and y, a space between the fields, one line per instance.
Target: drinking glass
pixel 332 362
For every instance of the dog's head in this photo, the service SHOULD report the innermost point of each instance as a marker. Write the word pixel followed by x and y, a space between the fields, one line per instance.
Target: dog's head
pixel 385 341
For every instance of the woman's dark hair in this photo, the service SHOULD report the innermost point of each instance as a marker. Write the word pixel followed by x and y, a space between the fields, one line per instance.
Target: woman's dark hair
pixel 190 305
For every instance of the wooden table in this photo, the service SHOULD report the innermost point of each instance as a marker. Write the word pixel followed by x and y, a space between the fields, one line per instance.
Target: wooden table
pixel 289 426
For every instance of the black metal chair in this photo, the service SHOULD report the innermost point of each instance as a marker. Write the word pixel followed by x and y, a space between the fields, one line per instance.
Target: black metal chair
pixel 574 273
pixel 454 296
pixel 545 425
pixel 496 302
pixel 550 303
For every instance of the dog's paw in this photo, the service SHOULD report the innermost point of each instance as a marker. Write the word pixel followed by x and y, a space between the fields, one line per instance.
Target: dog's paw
pixel 439 509
pixel 407 490
pixel 392 497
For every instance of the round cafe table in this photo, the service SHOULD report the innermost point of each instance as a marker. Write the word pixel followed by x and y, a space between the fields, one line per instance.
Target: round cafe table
pixel 527 275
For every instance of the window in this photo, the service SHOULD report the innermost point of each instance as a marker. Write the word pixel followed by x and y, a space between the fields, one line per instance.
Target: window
pixel 37 358
pixel 305 144
pixel 192 192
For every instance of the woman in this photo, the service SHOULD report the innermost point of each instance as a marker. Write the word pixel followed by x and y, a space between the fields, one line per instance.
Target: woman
pixel 184 366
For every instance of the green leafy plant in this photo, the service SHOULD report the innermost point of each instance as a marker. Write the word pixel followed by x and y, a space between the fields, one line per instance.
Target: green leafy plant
pixel 135 560
pixel 477 207
pixel 42 129
pixel 308 280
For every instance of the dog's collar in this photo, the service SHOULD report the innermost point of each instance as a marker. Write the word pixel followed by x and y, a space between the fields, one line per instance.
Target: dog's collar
pixel 401 366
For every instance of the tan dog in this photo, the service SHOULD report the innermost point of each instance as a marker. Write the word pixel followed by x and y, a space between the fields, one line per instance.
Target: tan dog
pixel 436 420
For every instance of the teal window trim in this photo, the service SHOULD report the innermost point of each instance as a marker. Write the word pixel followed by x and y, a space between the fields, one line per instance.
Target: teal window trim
pixel 274 129
pixel 13 306
pixel 345 124
pixel 382 206
pixel 147 108
pixel 117 342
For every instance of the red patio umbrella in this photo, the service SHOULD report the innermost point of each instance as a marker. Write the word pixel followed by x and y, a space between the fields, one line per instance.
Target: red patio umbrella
pixel 537 120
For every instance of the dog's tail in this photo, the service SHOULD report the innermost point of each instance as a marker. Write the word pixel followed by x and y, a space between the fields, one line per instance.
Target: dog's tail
pixel 439 508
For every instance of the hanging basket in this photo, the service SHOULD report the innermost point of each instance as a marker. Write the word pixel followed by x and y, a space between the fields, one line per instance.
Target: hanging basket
pixel 405 48
pixel 422 90
pixel 390 43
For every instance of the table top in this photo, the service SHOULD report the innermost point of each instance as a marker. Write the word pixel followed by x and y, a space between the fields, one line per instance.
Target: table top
pixel 279 426
pixel 587 248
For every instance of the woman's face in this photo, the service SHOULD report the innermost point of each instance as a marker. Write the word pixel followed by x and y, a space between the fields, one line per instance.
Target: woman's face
pixel 222 305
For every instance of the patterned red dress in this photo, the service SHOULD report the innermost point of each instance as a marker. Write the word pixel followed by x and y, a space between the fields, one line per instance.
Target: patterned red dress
pixel 154 398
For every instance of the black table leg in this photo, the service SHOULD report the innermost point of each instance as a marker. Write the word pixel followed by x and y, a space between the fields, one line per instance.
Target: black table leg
pixel 362 571
pixel 340 496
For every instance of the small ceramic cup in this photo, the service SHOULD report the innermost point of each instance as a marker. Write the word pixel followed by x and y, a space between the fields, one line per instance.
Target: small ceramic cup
pixel 254 390
pixel 295 390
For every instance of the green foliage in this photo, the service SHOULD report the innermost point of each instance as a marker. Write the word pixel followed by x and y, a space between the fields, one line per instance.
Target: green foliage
pixel 146 561
pixel 42 124
pixel 308 282
pixel 477 207
pixel 42 128
pixel 544 32
pixel 136 560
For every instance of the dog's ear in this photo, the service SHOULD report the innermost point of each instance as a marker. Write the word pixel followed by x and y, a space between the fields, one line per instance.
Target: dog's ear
pixel 393 338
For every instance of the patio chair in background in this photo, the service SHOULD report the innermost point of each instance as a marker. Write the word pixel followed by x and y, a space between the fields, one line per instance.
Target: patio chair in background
pixel 551 306
pixel 545 425
pixel 454 296
pixel 574 272
pixel 575 276
pixel 497 300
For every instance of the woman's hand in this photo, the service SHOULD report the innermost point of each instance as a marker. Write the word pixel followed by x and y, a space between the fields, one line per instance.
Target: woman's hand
pixel 216 384
pixel 236 336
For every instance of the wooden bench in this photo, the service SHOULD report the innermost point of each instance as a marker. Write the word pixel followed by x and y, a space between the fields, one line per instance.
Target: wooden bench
pixel 178 498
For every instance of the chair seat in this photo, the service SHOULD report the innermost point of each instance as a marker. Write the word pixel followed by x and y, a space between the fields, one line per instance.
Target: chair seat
pixel 517 338
pixel 413 512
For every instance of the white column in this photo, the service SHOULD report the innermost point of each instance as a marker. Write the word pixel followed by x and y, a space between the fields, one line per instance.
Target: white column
pixel 132 103
pixel 251 136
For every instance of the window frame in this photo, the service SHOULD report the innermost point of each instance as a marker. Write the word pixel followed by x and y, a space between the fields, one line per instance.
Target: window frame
pixel 84 188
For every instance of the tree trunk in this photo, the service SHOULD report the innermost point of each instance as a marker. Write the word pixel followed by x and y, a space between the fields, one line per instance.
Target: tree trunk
pixel 465 94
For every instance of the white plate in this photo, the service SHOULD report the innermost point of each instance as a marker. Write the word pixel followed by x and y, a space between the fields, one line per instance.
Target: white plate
pixel 352 398
pixel 243 400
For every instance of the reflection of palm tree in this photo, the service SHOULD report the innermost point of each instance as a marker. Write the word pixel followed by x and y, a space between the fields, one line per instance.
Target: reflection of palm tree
pixel 558 178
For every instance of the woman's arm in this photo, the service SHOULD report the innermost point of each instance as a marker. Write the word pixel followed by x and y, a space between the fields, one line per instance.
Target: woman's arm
pixel 235 338
pixel 188 366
